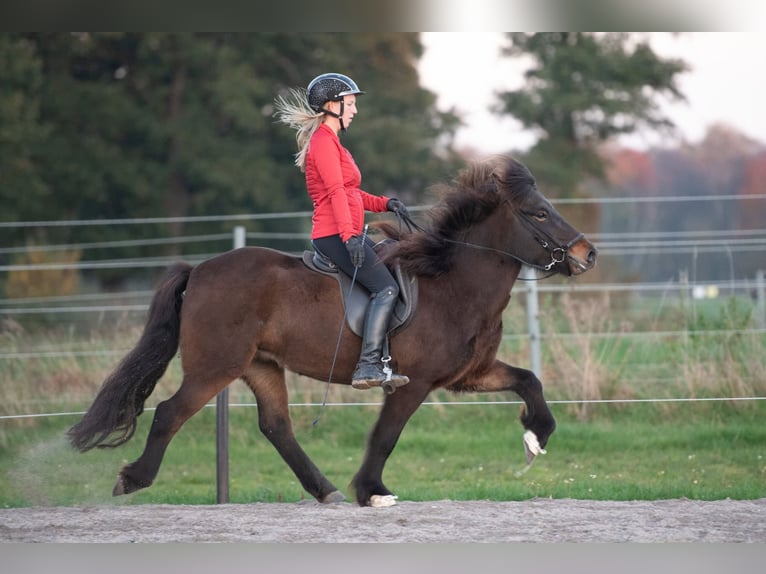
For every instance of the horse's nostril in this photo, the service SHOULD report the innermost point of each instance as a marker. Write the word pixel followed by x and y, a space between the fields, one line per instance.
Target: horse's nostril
pixel 592 256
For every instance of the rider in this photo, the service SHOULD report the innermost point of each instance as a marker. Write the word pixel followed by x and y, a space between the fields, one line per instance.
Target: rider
pixel 326 108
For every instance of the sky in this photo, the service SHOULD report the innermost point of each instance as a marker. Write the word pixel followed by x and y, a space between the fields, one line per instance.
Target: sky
pixel 725 85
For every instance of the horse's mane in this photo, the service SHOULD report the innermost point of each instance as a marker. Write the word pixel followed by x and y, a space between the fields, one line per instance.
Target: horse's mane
pixel 476 192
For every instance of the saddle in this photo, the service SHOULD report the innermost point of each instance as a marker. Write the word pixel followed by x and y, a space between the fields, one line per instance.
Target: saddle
pixel 356 299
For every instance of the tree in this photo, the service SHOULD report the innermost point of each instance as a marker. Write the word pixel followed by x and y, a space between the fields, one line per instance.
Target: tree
pixel 124 125
pixel 20 128
pixel 582 90
pixel 753 213
pixel 725 163
pixel 150 124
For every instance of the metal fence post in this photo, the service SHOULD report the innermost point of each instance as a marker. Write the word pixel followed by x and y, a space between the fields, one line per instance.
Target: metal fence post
pixel 760 287
pixel 533 319
pixel 222 418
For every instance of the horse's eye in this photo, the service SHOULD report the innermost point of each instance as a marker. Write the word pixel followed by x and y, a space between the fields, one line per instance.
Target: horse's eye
pixel 541 215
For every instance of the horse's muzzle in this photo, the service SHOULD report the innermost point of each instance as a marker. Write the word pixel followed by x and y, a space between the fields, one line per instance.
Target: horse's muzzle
pixel 581 256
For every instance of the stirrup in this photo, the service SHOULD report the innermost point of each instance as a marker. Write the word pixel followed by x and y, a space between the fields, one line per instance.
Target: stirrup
pixel 393 381
pixel 384 377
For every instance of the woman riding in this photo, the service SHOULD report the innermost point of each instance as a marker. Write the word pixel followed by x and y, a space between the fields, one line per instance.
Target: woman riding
pixel 326 108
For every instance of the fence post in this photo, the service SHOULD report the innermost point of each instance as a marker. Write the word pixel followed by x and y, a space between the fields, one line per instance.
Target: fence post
pixel 222 418
pixel 533 319
pixel 760 288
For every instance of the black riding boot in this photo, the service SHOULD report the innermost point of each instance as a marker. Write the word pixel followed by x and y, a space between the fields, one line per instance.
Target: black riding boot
pixel 369 371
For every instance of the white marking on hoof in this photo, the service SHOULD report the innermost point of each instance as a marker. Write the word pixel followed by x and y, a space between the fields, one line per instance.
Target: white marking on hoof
pixel 383 500
pixel 532 446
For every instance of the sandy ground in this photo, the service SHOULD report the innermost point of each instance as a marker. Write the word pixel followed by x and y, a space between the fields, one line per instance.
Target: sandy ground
pixel 539 520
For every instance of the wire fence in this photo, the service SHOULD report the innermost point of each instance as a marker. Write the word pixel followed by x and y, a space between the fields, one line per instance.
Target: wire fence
pixel 62 308
pixel 436 404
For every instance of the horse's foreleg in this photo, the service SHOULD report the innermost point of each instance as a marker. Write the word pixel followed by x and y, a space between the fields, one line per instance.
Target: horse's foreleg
pixel 168 419
pixel 397 410
pixel 267 381
pixel 536 416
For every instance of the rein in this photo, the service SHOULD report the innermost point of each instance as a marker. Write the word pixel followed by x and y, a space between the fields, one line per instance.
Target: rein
pixel 512 256
pixel 558 253
pixel 409 222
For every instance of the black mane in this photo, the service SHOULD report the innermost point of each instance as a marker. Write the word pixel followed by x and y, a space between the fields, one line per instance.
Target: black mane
pixel 474 195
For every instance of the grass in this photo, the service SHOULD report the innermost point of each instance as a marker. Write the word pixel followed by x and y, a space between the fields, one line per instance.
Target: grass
pixel 461 453
pixel 618 451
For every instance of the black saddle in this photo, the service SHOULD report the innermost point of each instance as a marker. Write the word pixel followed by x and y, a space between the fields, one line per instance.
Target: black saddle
pixel 356 299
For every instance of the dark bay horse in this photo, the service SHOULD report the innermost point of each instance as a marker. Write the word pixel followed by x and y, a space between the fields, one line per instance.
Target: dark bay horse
pixel 253 313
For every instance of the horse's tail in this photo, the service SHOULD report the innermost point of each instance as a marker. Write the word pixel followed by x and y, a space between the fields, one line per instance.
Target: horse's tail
pixel 121 398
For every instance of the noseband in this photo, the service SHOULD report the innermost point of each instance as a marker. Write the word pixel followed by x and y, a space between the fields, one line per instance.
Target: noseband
pixel 561 251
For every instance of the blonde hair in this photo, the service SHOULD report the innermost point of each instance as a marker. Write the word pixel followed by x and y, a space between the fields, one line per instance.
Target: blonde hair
pixel 294 111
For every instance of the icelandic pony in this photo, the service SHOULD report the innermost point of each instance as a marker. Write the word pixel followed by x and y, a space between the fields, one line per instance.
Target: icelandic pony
pixel 253 313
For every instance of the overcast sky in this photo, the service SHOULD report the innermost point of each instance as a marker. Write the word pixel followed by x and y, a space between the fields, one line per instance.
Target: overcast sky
pixel 726 84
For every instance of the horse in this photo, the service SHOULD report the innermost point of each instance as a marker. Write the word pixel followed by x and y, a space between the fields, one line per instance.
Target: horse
pixel 252 313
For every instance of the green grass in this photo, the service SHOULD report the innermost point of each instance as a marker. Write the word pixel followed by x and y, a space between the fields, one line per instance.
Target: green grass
pixel 461 453
pixel 619 451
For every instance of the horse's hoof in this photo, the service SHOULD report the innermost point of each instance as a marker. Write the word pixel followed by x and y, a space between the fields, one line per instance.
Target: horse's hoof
pixel 334 497
pixel 119 486
pixel 125 485
pixel 532 446
pixel 383 500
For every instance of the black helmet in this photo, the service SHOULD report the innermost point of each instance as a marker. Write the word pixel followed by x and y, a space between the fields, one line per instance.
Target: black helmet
pixel 330 87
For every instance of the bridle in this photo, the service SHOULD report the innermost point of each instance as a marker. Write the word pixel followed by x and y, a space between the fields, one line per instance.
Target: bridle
pixel 562 250
pixel 557 251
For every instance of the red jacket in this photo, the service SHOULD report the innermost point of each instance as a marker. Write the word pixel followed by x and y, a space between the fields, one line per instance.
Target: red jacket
pixel 333 180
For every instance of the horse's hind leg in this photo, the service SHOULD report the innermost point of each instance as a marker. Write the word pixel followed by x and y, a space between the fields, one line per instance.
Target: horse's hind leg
pixel 267 380
pixel 168 419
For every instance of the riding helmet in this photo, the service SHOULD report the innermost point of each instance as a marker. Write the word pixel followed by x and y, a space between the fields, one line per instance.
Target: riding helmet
pixel 330 87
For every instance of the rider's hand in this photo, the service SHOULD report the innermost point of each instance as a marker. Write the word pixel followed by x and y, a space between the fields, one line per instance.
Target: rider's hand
pixel 355 248
pixel 397 207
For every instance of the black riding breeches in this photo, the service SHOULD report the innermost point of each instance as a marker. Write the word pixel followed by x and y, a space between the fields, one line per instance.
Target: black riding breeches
pixel 373 274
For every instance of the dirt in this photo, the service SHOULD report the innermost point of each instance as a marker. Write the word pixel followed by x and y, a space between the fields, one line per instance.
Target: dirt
pixel 538 520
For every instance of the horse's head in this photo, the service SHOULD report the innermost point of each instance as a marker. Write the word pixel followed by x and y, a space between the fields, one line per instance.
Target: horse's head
pixel 542 238
pixel 494 206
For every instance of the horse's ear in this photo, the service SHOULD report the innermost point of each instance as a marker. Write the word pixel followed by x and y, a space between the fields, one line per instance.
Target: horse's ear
pixel 497 177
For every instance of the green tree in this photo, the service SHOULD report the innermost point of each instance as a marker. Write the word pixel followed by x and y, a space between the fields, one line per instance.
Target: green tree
pixel 581 90
pixel 122 125
pixel 151 124
pixel 21 131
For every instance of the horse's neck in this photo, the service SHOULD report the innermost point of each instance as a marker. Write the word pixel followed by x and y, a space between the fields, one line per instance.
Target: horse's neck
pixel 483 274
pixel 490 268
